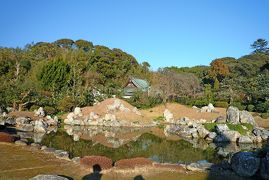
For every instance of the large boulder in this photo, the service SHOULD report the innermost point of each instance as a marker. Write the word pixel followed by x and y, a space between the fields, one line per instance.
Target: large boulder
pixel 202 131
pixel 48 177
pixel 233 115
pixel 10 121
pixel 77 111
pixel 227 136
pixel 40 112
pixel 40 126
pixel 168 116
pixel 25 127
pixel 264 168
pixel 23 120
pixel 245 163
pixel 245 139
pixel 221 128
pixel 246 117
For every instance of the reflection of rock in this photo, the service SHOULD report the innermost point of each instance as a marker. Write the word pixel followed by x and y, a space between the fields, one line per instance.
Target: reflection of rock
pixel 200 166
pixel 37 137
pixel 264 169
pixel 52 177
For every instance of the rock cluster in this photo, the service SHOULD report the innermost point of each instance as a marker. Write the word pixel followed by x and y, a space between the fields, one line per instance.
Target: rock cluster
pixel 208 108
pixel 108 119
pixel 235 116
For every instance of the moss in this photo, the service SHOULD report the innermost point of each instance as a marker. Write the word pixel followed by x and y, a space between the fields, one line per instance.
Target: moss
pixel 159 119
pixel 235 127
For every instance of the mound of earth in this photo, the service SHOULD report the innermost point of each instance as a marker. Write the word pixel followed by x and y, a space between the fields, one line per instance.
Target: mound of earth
pixel 125 111
pixel 180 111
pixel 120 108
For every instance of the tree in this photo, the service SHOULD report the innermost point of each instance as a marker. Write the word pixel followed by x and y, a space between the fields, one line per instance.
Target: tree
pixel 84 45
pixel 55 75
pixel 260 46
pixel 218 70
pixel 64 43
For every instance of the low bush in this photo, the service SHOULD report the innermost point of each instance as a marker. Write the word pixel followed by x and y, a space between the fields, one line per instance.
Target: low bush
pixel 251 107
pixel 239 105
pixel 50 110
pixel 222 104
pixel 34 107
pixel 265 115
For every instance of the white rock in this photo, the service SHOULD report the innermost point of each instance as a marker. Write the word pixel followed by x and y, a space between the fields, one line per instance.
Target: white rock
pixel 40 126
pixel 40 112
pixel 77 111
pixel 168 116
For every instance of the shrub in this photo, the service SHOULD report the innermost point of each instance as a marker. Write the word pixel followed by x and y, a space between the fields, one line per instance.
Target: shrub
pixel 238 105
pixel 66 104
pixel 50 110
pixel 200 102
pixel 34 107
pixel 262 106
pixel 222 104
pixel 265 115
pixel 250 107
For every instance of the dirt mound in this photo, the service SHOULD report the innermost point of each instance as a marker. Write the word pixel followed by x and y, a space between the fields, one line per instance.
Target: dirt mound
pixel 180 111
pixel 100 162
pixel 120 108
pixel 5 137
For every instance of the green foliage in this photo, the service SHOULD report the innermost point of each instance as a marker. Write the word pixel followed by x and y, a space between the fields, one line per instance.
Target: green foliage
pixel 50 110
pixel 235 127
pixel 238 105
pixel 141 100
pixel 66 104
pixel 159 119
pixel 265 115
pixel 251 107
pixel 55 75
pixel 222 104
pixel 34 107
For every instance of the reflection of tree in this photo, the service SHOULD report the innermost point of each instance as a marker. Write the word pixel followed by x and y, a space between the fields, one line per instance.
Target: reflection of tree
pixel 147 145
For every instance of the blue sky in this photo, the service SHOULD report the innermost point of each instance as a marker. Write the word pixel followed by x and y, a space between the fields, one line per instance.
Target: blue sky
pixel 164 33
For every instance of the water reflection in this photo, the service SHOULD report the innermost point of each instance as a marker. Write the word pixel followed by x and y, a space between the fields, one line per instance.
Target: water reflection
pixel 158 144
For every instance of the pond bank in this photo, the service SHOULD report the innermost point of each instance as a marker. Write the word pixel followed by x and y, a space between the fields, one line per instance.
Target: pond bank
pixel 19 162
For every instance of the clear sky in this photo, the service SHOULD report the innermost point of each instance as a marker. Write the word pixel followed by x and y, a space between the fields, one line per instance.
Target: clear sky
pixel 164 33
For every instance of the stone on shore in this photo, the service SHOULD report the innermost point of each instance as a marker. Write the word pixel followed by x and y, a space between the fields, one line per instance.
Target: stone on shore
pixel 245 164
pixel 48 177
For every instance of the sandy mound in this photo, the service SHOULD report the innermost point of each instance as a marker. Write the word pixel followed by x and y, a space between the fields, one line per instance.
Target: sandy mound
pixel 180 111
pixel 120 108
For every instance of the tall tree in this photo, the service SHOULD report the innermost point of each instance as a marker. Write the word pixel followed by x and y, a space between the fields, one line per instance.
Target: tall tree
pixel 260 46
